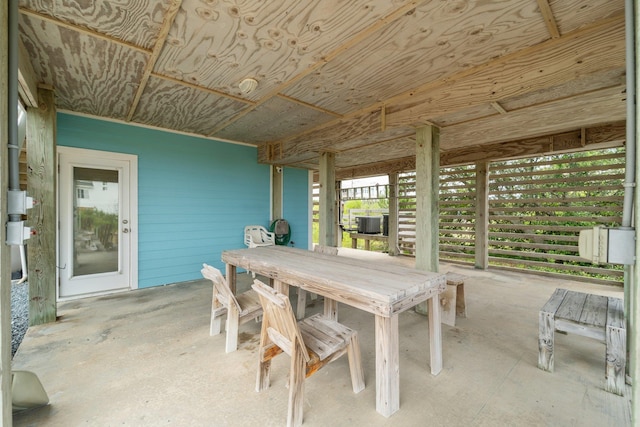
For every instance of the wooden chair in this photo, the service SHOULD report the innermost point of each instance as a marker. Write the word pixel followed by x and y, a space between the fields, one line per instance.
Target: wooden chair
pixel 239 309
pixel 311 344
pixel 302 294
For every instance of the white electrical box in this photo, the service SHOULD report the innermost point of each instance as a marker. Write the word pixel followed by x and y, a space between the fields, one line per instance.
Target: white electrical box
pixel 602 245
pixel 592 244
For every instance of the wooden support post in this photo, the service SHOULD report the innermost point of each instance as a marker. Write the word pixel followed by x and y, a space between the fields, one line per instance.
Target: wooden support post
pixel 482 215
pixel 327 214
pixel 41 185
pixel 277 179
pixel 5 251
pixel 392 240
pixel 427 189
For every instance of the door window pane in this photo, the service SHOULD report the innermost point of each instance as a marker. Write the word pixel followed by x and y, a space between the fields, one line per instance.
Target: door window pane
pixel 95 220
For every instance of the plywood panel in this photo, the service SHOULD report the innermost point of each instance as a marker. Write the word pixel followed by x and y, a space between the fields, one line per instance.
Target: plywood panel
pixel 217 44
pixel 606 78
pixel 136 22
pixel 597 49
pixel 90 75
pixel 436 40
pixel 183 108
pixel 603 106
pixel 273 119
pixel 574 14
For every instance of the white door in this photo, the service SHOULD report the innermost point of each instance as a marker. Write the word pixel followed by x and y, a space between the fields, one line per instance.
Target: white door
pixel 98 222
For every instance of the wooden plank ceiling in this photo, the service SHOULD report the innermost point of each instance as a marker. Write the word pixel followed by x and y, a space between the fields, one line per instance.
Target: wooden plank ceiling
pixel 354 77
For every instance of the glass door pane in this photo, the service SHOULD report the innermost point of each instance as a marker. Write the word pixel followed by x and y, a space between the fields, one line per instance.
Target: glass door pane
pixel 96 195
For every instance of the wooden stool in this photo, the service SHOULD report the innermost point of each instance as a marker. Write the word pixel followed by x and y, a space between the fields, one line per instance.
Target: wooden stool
pixel 452 299
pixel 593 316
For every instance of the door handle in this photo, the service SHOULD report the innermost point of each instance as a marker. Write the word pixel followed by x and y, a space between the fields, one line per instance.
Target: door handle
pixel 125 230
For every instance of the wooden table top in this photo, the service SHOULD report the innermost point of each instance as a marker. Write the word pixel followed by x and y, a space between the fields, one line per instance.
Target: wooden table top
pixel 378 288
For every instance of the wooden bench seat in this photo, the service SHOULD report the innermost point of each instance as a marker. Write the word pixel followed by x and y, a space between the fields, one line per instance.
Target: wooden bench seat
pixel 452 299
pixel 593 316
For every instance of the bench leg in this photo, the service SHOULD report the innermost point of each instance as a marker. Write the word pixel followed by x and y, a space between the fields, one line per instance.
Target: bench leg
pixel 546 330
pixel 302 303
pixel 616 359
pixel 461 307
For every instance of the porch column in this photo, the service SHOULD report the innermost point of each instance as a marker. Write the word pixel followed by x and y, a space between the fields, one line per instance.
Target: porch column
pixel 393 215
pixel 482 215
pixel 327 210
pixel 427 207
pixel 277 174
pixel 5 251
pixel 41 185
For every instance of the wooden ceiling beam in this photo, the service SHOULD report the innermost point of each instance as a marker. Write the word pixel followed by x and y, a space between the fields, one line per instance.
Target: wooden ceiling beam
pixel 595 137
pixel 601 106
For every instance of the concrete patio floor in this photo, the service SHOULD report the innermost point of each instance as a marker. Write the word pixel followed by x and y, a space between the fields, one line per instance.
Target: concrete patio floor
pixel 145 358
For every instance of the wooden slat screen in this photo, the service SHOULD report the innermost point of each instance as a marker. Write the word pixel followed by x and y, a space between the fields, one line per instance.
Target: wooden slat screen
pixel 537 207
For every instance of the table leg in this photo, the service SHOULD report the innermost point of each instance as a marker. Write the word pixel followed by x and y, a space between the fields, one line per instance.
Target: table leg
pixel 330 309
pixel 435 334
pixel 281 286
pixel 387 365
pixel 231 277
pixel 354 243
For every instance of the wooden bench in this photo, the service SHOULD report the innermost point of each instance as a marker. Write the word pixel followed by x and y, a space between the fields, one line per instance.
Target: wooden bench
pixel 367 239
pixel 452 299
pixel 593 316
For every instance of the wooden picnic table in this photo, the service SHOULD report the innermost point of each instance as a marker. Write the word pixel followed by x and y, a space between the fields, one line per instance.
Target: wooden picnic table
pixel 382 289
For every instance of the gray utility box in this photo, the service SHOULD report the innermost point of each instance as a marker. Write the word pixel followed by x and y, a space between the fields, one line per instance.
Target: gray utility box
pixel 368 224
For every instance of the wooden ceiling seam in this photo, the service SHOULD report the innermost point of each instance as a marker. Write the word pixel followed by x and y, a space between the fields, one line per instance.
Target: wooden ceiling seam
pixel 202 88
pixel 83 30
pixel 379 24
pixel 549 18
pixel 167 22
pixel 305 104
pixel 499 108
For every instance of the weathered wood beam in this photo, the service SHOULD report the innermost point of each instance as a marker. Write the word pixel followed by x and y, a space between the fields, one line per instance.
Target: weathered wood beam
pixel 602 106
pixel 327 214
pixel 482 216
pixel 169 17
pixel 277 184
pixel 27 80
pixel 427 201
pixel 612 135
pixel 41 185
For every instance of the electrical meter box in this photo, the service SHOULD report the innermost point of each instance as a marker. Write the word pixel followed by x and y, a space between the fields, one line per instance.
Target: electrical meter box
pixel 602 245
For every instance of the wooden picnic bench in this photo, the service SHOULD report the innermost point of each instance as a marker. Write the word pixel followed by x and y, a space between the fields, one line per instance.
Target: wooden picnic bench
pixel 588 315
pixel 367 239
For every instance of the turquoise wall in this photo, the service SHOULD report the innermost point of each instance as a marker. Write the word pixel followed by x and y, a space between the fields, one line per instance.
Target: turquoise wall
pixel 195 195
pixel 295 206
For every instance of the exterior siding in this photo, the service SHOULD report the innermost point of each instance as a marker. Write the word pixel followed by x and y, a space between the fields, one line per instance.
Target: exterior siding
pixel 296 205
pixel 195 195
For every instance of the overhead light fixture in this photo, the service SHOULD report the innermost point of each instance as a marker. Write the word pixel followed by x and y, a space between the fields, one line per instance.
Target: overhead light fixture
pixel 248 85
